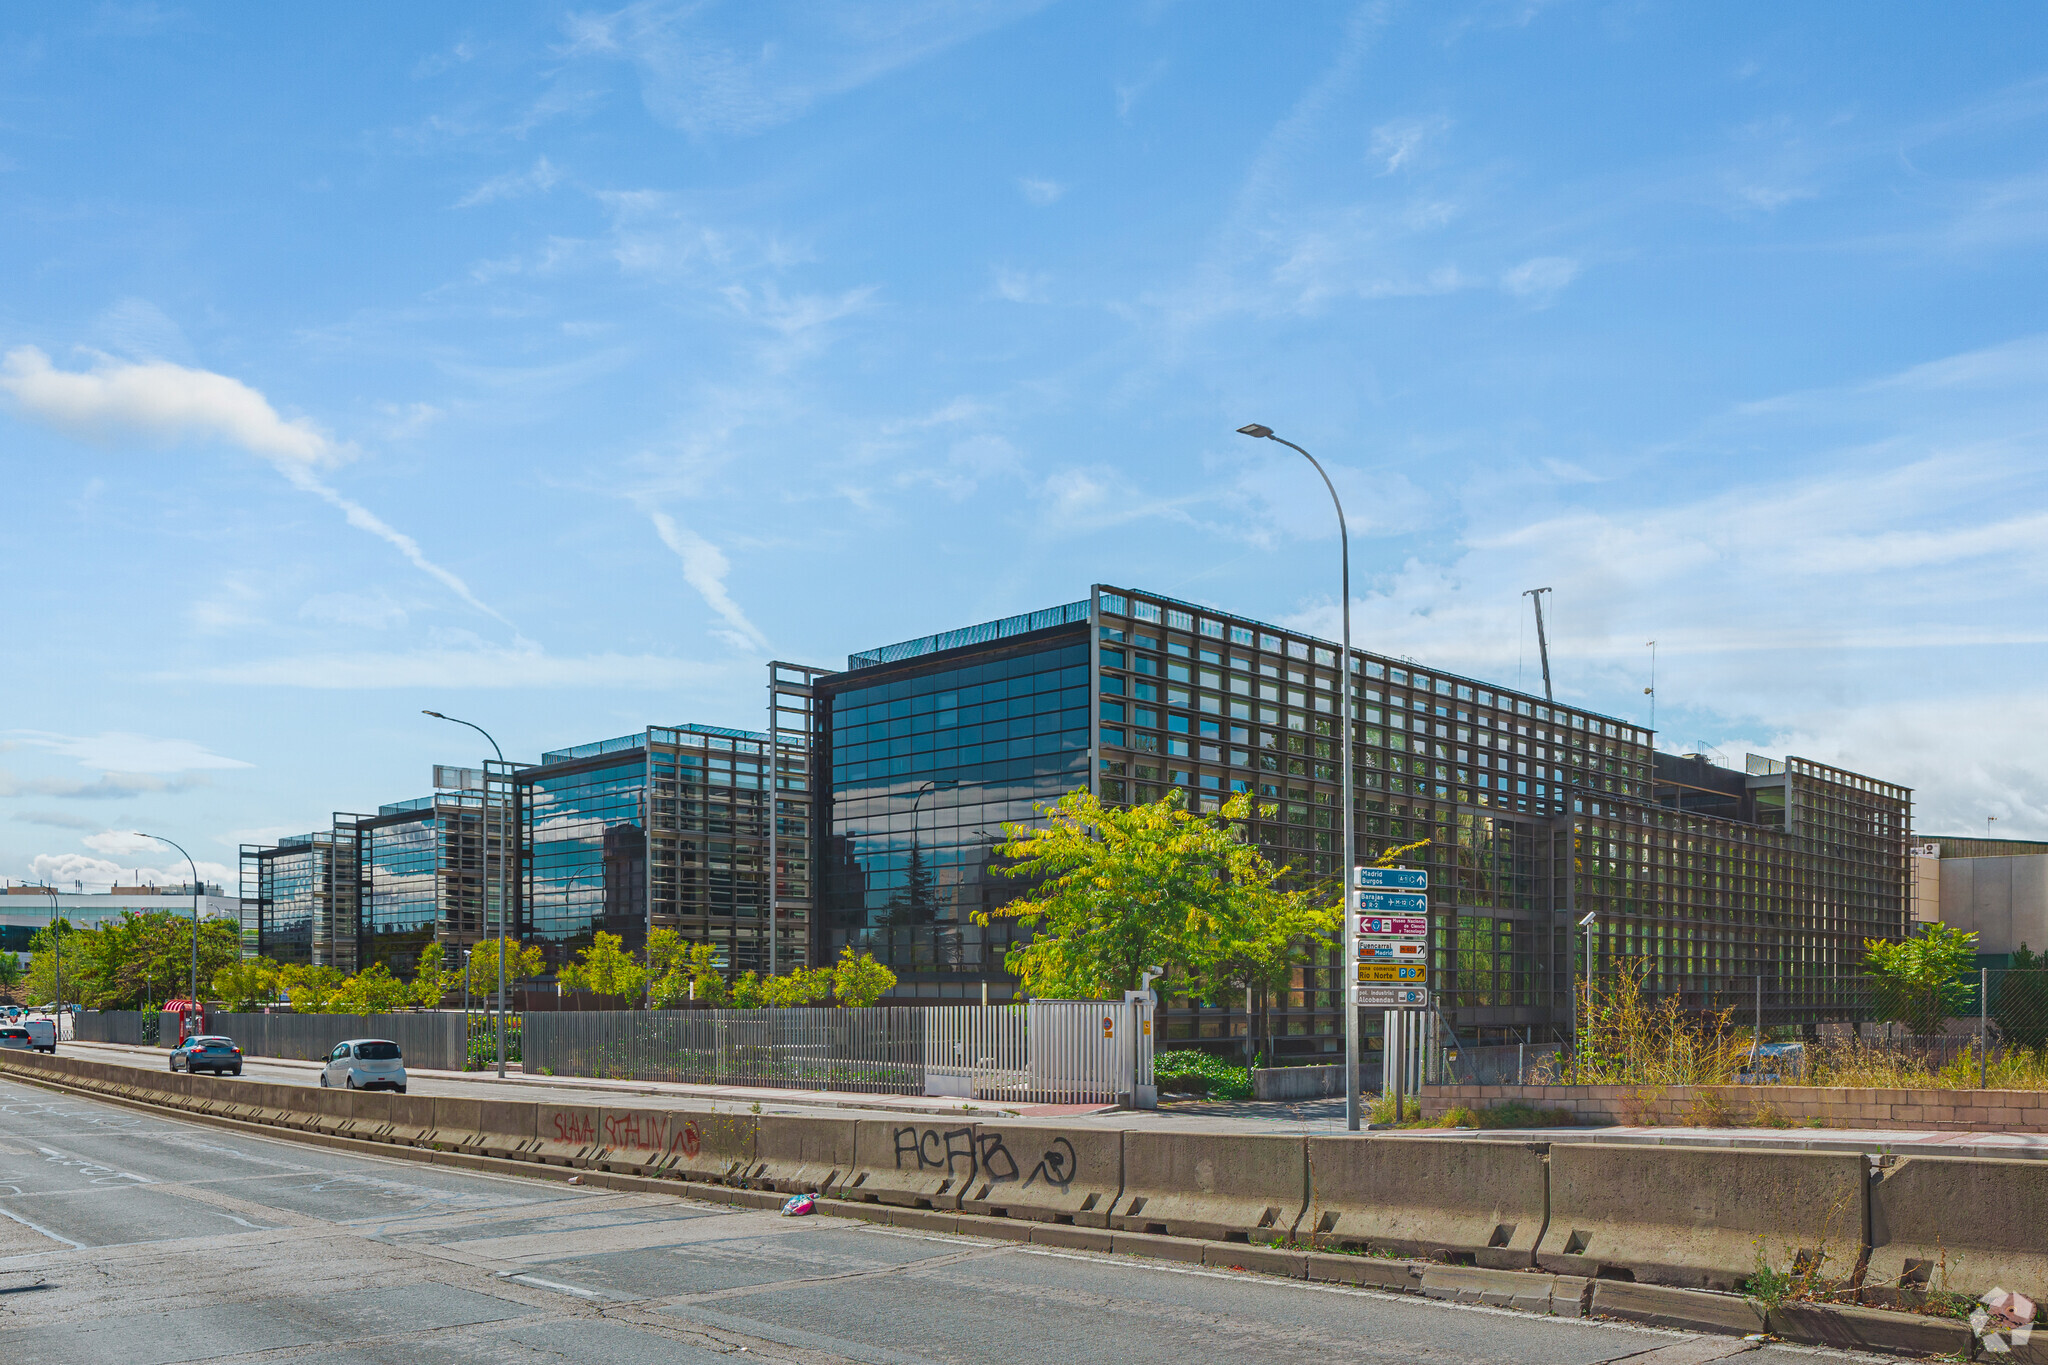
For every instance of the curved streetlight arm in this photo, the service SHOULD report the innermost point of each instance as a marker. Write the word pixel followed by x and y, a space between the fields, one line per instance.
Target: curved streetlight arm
pixel 504 854
pixel 1348 966
pixel 195 908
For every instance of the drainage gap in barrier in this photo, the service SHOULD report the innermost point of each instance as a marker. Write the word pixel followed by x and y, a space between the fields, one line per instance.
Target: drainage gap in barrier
pixel 1575 1245
pixel 1503 1233
pixel 1157 1229
pixel 1449 1257
pixel 1615 1272
pixel 1137 1207
pixel 1327 1223
pixel 1088 1204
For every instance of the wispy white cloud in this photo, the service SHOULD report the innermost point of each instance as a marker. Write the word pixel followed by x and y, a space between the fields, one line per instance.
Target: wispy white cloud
pixel 1040 191
pixel 541 177
pixel 167 403
pixel 109 786
pixel 785 59
pixel 469 664
pixel 705 568
pixel 1021 286
pixel 63 869
pixel 1397 142
pixel 117 751
pixel 1540 279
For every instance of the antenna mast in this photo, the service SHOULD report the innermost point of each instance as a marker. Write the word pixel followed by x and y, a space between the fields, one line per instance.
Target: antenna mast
pixel 1535 596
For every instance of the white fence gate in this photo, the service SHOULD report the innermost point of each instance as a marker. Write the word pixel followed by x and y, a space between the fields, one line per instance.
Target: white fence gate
pixel 1045 1052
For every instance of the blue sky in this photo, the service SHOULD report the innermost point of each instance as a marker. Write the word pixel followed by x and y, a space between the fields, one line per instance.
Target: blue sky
pixel 555 367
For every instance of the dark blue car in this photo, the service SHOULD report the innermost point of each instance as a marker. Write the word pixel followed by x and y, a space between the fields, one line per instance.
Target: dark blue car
pixel 207 1053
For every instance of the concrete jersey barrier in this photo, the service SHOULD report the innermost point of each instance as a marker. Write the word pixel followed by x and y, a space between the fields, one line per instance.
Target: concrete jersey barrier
pixel 802 1155
pixel 1964 1224
pixel 1048 1175
pixel 1222 1187
pixel 1462 1200
pixel 1700 1217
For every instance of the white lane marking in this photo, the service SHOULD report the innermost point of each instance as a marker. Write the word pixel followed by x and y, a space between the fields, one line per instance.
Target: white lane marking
pixel 38 1227
pixel 556 1285
pixel 253 1227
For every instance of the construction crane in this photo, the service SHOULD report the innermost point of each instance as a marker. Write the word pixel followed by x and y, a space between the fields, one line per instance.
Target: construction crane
pixel 1535 596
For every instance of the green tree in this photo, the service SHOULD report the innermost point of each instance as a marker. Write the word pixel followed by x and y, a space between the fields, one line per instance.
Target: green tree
pixel 311 990
pixel 10 971
pixel 605 968
pixel 799 986
pixel 521 961
pixel 1921 981
pixel 246 985
pixel 140 959
pixel 688 973
pixel 431 979
pixel 859 980
pixel 745 992
pixel 2022 1002
pixel 373 990
pixel 1121 889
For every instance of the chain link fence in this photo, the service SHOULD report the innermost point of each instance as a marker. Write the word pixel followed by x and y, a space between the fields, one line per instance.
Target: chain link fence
pixel 1983 1029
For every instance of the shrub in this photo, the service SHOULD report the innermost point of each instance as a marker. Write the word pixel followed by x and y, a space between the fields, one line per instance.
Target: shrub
pixel 1203 1074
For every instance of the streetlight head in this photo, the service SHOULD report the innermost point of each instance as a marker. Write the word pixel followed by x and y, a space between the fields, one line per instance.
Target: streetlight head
pixel 1587 922
pixel 435 714
pixel 1254 429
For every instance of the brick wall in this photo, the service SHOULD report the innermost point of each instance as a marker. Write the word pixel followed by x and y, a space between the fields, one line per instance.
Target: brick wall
pixel 1713 1106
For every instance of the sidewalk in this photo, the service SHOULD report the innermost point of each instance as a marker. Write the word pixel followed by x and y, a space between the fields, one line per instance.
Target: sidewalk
pixel 937 1105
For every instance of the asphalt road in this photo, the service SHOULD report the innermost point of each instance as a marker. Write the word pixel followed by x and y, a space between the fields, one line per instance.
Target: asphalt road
pixel 133 1238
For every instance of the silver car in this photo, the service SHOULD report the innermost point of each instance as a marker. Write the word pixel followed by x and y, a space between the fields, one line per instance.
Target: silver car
pixel 364 1064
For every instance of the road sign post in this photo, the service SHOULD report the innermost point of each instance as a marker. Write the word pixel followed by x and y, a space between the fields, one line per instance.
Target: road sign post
pixel 1390 968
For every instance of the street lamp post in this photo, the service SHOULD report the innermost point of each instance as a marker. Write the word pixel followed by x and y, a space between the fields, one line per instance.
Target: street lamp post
pixel 1349 968
pixel 57 958
pixel 195 910
pixel 501 887
pixel 1579 1042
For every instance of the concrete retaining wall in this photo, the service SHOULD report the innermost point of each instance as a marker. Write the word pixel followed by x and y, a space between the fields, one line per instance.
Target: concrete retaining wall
pixel 1587 1214
pixel 1714 1106
pixel 1309 1082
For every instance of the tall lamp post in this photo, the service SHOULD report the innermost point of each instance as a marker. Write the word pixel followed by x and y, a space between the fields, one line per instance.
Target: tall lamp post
pixel 502 851
pixel 195 911
pixel 57 958
pixel 1349 967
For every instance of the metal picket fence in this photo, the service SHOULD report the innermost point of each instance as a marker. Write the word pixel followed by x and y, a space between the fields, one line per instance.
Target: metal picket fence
pixel 1049 1051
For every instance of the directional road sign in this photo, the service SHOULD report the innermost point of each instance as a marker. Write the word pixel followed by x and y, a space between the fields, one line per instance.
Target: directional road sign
pixel 1390 902
pixel 1393 950
pixel 1409 974
pixel 1404 878
pixel 1404 926
pixel 1393 997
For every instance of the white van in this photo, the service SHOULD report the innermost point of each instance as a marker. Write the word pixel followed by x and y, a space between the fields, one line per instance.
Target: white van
pixel 42 1034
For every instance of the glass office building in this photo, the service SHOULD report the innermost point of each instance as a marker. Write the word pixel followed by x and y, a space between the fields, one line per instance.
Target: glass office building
pixel 289 905
pixel 931 745
pixel 426 873
pixel 1536 812
pixel 666 828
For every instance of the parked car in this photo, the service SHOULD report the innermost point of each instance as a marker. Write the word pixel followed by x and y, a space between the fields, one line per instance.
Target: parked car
pixel 14 1035
pixel 207 1052
pixel 42 1034
pixel 364 1064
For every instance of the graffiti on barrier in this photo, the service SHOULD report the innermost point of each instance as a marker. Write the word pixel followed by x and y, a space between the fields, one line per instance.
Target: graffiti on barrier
pixel 986 1156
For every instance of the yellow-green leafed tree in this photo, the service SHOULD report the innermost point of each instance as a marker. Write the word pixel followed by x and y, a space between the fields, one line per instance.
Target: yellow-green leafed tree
pixel 1119 889
pixel 858 980
pixel 521 961
pixel 244 986
pixel 604 968
pixel 373 990
pixel 800 986
pixel 311 989
pixel 431 980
